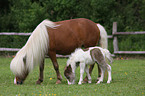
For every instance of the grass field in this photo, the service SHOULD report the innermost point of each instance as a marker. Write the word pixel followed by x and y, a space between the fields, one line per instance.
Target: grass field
pixel 128 80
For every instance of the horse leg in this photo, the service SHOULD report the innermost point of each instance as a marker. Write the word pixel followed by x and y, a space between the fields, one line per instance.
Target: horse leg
pixel 109 73
pixel 52 56
pixel 99 72
pixel 102 74
pixel 82 68
pixel 41 68
pixel 90 72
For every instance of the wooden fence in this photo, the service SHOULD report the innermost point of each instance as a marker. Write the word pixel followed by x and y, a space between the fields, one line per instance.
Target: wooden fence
pixel 113 36
pixel 115 40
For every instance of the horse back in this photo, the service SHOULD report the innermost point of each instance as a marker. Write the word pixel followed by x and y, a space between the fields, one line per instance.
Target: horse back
pixel 71 34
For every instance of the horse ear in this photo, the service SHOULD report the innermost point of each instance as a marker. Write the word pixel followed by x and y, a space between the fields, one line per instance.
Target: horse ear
pixel 69 67
pixel 24 59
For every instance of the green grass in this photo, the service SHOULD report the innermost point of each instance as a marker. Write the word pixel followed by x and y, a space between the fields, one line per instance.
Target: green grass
pixel 128 80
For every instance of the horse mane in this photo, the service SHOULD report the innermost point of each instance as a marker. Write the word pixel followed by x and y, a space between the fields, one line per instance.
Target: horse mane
pixel 33 52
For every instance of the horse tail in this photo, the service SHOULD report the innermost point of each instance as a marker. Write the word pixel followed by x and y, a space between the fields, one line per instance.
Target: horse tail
pixel 103 37
pixel 108 55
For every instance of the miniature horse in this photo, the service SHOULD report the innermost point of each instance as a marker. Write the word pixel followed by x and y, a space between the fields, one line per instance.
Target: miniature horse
pixel 83 59
pixel 51 38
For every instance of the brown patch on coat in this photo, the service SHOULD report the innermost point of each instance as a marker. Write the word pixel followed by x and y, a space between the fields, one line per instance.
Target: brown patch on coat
pixel 97 56
pixel 68 71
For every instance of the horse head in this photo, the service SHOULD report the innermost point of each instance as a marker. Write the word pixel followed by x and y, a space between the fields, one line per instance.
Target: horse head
pixel 18 67
pixel 69 75
pixel 20 79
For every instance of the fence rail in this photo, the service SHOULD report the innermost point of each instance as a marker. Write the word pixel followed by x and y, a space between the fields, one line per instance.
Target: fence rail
pixel 27 34
pixel 129 33
pixel 15 33
pixel 9 49
pixel 115 40
pixel 114 36
pixel 129 52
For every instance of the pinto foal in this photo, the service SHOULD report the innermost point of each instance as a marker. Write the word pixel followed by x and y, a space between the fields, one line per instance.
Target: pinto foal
pixel 84 58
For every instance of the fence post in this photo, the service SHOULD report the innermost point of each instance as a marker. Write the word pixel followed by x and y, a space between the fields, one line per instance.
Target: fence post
pixel 115 41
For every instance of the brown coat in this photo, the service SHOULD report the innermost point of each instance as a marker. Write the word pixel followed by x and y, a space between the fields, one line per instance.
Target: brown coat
pixel 72 34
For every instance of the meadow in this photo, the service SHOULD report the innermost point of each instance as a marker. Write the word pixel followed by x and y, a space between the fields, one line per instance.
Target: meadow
pixel 128 80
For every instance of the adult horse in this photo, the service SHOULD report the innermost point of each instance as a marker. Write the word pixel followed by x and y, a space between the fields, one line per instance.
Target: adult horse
pixel 51 38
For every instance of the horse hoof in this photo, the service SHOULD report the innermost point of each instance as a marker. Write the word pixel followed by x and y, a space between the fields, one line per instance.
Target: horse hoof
pixel 58 82
pixel 38 82
pixel 85 80
pixel 108 82
pixel 89 81
pixel 79 83
pixel 97 83
pixel 98 79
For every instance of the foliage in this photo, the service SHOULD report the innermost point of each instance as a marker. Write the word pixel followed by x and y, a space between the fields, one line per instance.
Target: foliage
pixel 128 80
pixel 25 15
pixel 131 43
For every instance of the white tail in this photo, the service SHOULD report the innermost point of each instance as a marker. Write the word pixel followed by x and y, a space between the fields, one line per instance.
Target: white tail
pixel 103 37
pixel 108 55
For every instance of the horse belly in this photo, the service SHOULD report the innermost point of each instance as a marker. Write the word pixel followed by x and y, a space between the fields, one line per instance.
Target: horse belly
pixel 66 47
pixel 89 59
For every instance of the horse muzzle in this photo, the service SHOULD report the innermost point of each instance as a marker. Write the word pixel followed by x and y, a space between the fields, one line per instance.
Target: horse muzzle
pixel 18 82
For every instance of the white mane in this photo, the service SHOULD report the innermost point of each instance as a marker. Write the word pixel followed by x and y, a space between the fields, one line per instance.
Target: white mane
pixel 34 50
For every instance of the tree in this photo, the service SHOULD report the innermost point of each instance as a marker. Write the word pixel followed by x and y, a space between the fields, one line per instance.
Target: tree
pixel 25 15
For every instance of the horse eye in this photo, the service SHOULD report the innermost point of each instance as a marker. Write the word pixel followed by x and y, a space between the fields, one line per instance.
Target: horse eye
pixel 17 82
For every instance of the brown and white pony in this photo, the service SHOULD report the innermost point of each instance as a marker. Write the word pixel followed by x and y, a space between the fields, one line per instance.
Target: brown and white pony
pixel 84 58
pixel 51 38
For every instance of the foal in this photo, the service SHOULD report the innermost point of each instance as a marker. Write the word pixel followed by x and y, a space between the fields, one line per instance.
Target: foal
pixel 84 58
